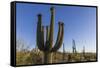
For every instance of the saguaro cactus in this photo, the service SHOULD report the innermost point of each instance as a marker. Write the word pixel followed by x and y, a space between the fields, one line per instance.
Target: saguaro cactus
pixel 47 45
pixel 84 51
pixel 74 47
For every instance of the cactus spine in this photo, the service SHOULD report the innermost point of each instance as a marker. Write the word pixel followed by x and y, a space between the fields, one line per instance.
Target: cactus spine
pixel 47 45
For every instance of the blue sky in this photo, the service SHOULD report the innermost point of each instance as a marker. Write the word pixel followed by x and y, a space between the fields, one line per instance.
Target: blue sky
pixel 80 24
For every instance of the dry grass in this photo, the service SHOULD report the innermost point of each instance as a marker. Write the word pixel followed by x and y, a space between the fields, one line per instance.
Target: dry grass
pixel 33 57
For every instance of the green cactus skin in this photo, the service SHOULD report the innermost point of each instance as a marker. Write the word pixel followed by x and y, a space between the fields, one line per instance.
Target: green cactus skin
pixel 46 46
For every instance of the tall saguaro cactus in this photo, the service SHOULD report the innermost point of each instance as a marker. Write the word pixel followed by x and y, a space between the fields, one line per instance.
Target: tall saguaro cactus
pixel 47 45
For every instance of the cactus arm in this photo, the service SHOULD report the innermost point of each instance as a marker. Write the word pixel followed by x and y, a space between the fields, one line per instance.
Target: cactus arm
pixel 42 35
pixel 59 33
pixel 51 27
pixel 58 45
pixel 47 43
pixel 47 32
pixel 39 36
pixel 58 36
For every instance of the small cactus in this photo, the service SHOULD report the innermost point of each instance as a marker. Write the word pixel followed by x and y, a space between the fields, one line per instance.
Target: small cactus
pixel 47 46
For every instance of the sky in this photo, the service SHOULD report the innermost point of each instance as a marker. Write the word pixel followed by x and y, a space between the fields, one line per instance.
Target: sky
pixel 80 24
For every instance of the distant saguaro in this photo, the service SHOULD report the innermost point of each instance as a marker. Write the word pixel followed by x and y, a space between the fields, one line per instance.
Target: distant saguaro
pixel 73 46
pixel 63 52
pixel 84 51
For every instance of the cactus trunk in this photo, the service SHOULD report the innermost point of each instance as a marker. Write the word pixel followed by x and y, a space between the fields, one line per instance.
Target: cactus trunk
pixel 47 57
